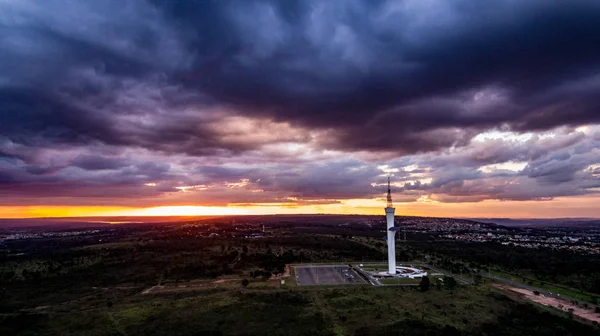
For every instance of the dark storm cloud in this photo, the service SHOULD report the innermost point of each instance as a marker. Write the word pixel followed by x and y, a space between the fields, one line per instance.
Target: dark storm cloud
pixel 96 162
pixel 333 66
pixel 220 81
pixel 341 179
pixel 406 71
pixel 32 118
pixel 87 179
pixel 563 167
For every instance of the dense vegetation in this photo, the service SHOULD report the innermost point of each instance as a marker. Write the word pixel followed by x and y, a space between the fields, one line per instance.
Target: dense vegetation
pixel 99 284
pixel 560 267
pixel 40 268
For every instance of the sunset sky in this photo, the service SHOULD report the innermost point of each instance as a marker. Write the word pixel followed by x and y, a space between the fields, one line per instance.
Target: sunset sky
pixel 141 107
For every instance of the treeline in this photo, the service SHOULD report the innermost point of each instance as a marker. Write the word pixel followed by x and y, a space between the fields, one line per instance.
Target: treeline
pixel 145 259
pixel 554 266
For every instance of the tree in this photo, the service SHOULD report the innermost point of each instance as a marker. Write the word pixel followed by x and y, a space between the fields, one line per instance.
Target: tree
pixel 245 282
pixel 8 275
pixel 424 284
pixel 449 282
pixel 450 330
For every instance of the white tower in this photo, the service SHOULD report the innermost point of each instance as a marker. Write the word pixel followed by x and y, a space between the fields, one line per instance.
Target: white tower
pixel 391 232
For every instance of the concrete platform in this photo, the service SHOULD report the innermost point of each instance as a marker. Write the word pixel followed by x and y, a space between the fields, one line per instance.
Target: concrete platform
pixel 327 275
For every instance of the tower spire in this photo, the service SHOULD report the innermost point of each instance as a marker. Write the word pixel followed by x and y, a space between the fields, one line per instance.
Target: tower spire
pixel 389 195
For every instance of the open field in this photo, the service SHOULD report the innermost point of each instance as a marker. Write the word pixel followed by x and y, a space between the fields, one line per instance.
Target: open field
pixel 188 280
pixel 310 310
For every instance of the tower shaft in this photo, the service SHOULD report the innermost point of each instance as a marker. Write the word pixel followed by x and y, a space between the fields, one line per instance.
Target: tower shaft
pixel 391 233
pixel 391 241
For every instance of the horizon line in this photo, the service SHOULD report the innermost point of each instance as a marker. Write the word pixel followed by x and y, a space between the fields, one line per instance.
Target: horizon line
pixel 281 214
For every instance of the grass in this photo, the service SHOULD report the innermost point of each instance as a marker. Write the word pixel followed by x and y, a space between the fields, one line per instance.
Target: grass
pixel 572 293
pixel 264 284
pixel 312 311
pixel 98 293
pixel 400 281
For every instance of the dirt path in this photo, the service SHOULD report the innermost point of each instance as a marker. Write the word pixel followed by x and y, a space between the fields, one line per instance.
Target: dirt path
pixel 560 304
pixel 184 287
pixel 152 289
pixel 225 280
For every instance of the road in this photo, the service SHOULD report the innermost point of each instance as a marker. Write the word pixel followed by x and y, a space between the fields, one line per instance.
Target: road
pixel 560 304
pixel 367 276
pixel 521 285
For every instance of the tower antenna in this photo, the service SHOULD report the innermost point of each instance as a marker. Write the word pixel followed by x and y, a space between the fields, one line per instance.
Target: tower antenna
pixel 389 195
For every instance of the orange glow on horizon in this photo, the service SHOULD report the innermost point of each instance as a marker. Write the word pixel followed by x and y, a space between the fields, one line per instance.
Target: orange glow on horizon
pixel 181 210
pixel 55 211
pixel 559 207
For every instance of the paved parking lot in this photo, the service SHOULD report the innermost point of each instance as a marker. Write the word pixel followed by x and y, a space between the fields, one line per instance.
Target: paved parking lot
pixel 326 275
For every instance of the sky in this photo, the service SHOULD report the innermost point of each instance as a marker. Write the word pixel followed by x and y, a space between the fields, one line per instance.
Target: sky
pixel 156 107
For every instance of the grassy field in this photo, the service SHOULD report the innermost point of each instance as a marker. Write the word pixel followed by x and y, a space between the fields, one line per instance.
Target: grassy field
pixel 373 267
pixel 315 311
pixel 167 282
pixel 400 281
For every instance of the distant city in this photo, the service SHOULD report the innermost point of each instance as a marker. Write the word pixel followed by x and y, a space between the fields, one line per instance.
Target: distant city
pixel 584 240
